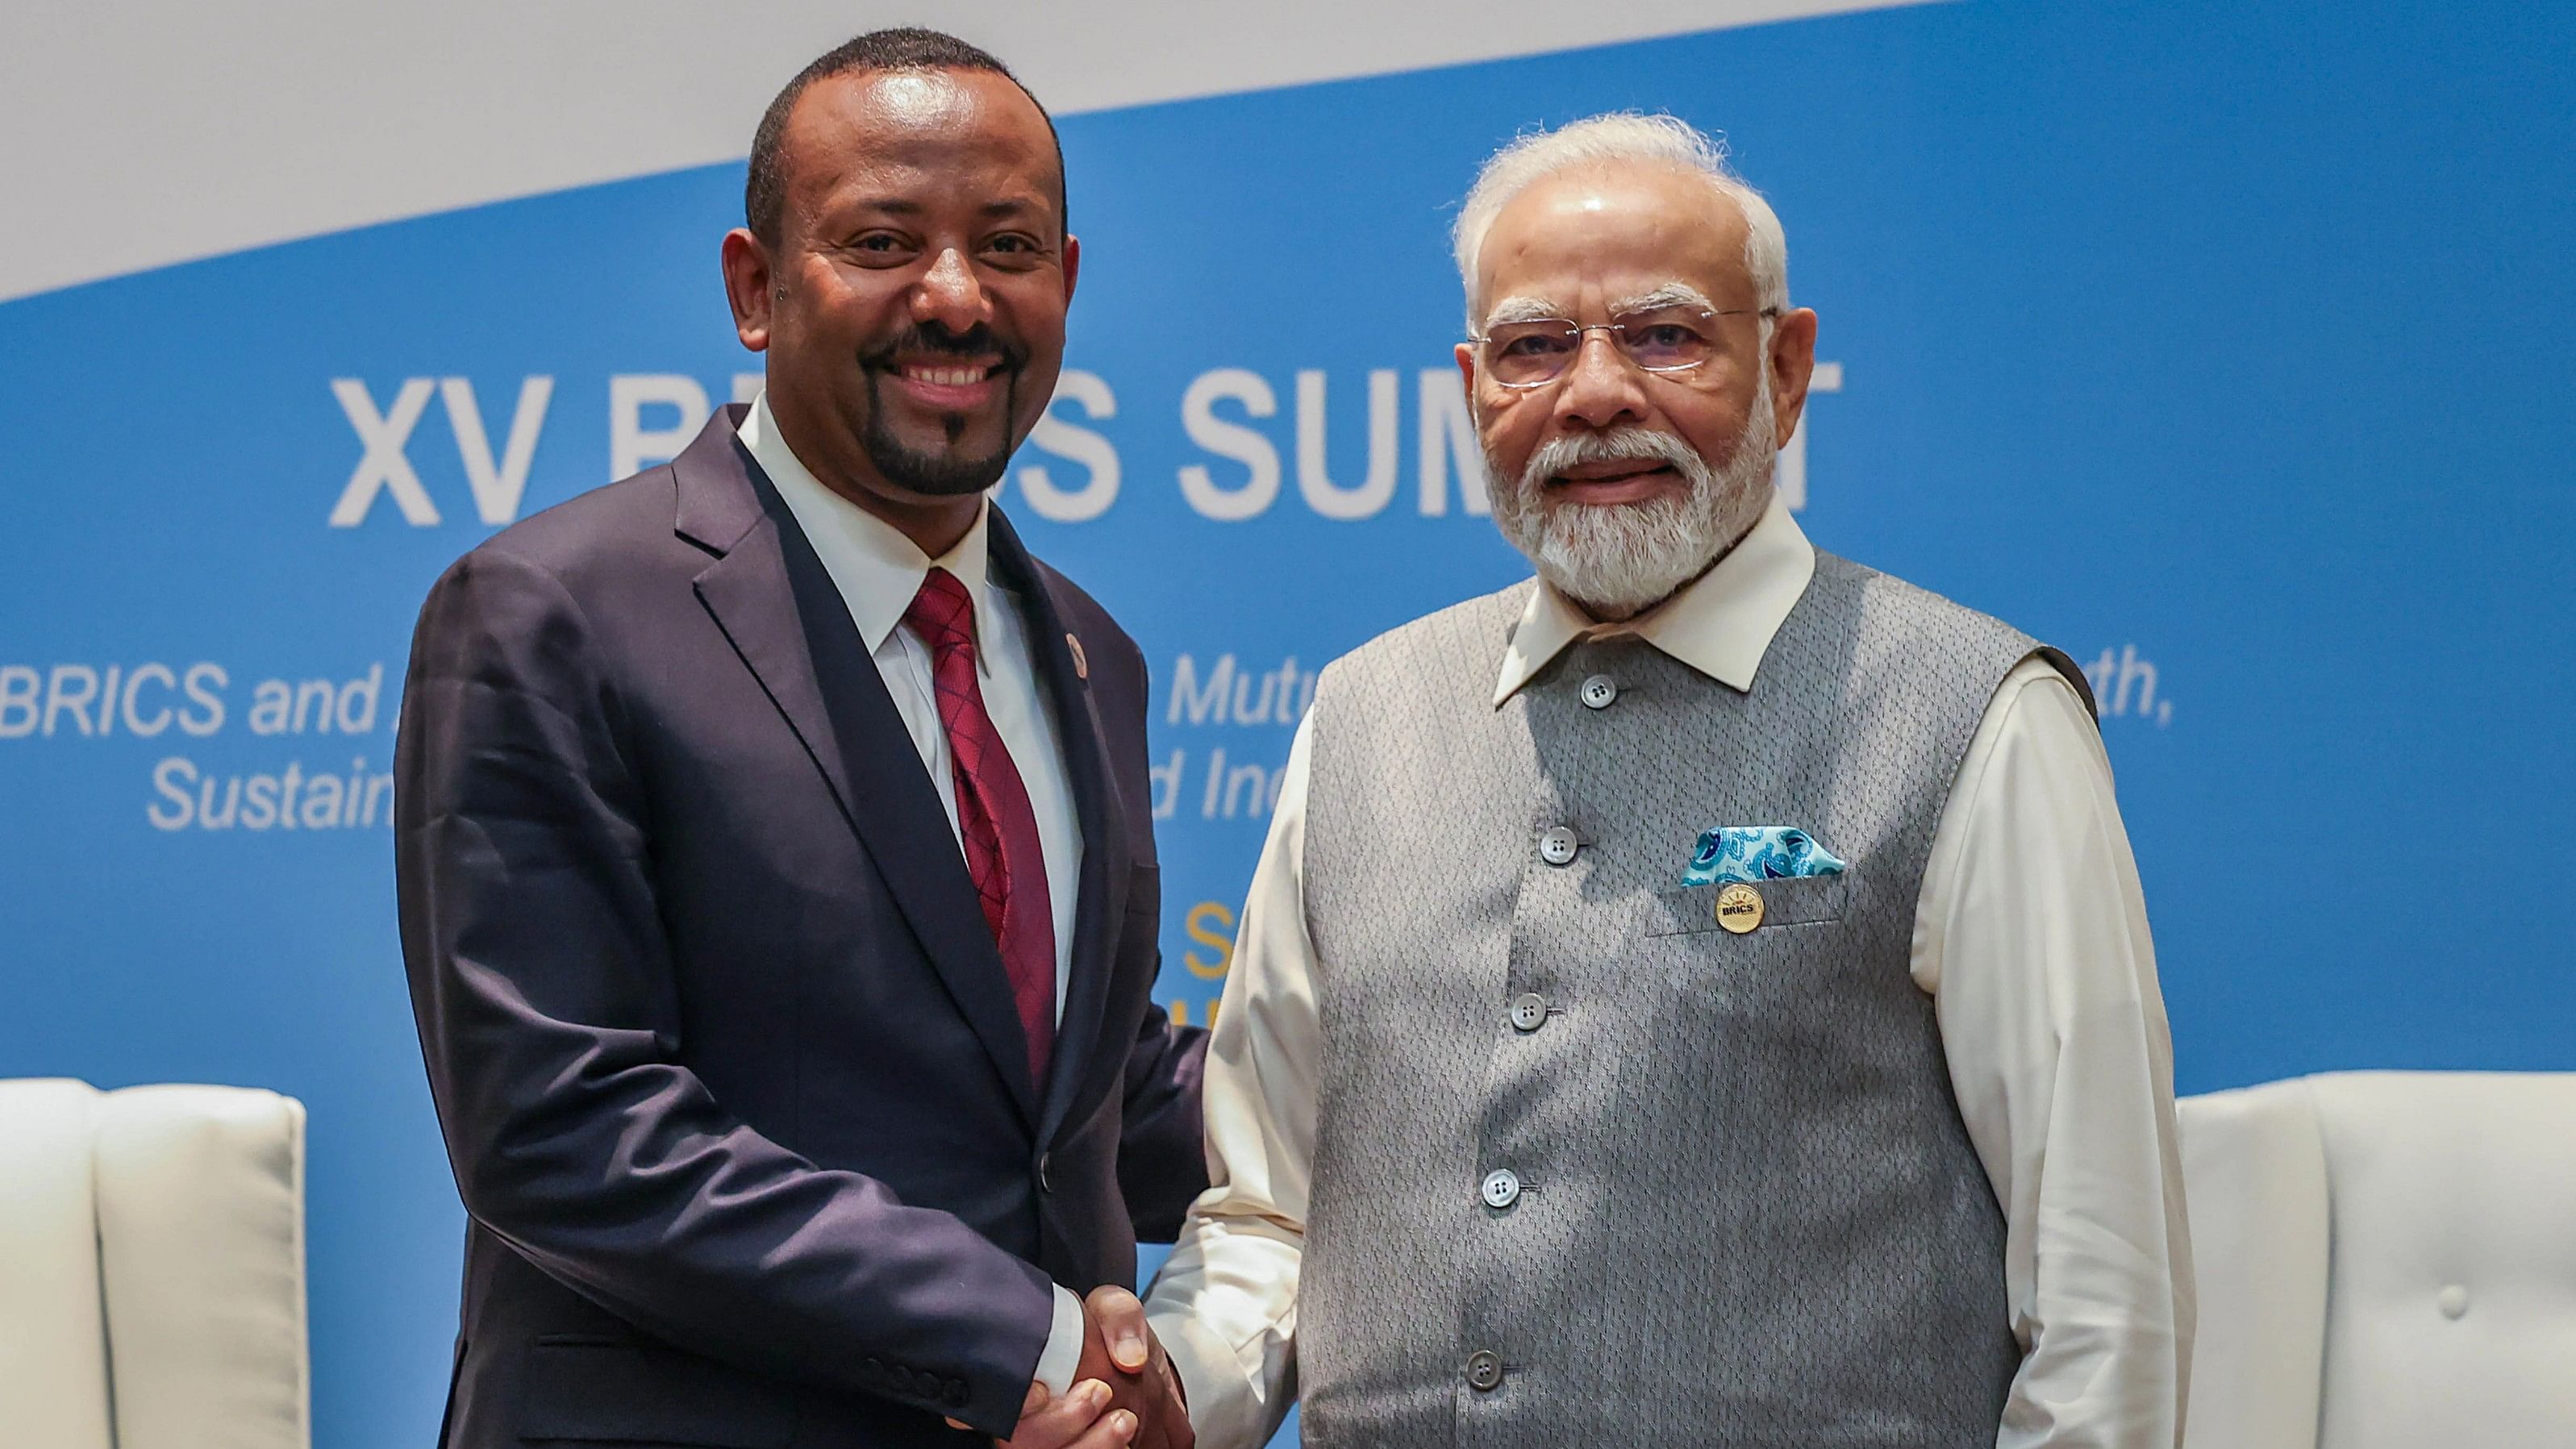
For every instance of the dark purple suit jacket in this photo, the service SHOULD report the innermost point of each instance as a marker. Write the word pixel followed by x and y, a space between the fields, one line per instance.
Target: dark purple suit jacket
pixel 722 1048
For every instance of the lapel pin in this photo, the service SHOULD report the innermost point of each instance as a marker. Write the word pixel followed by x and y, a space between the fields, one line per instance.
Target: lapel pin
pixel 1081 666
pixel 1739 908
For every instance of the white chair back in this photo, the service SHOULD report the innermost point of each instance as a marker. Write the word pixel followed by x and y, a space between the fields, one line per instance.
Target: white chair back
pixel 2386 1260
pixel 53 1327
pixel 152 1268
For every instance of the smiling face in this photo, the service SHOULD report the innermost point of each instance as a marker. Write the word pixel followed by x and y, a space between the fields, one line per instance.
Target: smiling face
pixel 1622 484
pixel 913 303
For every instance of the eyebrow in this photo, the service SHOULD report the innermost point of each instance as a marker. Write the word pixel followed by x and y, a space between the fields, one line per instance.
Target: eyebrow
pixel 1670 294
pixel 1521 309
pixel 899 206
pixel 1532 309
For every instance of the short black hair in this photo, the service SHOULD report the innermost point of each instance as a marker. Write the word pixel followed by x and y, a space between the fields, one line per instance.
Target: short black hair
pixel 764 190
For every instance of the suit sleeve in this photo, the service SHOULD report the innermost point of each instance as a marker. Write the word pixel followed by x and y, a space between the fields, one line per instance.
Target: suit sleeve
pixel 549 1021
pixel 1162 1152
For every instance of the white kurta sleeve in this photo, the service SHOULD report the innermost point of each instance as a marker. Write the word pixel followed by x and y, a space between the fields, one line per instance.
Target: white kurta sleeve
pixel 2031 934
pixel 1225 1303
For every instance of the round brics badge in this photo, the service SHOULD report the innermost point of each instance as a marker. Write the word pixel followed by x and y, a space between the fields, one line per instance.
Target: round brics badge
pixel 1739 908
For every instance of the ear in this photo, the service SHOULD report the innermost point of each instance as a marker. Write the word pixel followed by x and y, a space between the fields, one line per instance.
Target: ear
pixel 1072 263
pixel 1792 363
pixel 1467 372
pixel 748 278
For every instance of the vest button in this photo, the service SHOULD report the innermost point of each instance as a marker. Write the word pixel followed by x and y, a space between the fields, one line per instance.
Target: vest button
pixel 1558 846
pixel 1529 1011
pixel 1599 691
pixel 1484 1369
pixel 1501 1188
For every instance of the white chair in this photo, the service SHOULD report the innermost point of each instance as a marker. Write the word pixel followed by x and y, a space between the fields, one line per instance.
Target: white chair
pixel 2386 1260
pixel 151 1268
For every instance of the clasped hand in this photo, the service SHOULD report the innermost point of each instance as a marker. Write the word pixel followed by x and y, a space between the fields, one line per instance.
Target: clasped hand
pixel 1124 1390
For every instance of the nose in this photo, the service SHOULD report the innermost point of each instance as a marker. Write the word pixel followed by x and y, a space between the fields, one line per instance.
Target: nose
pixel 949 295
pixel 1600 388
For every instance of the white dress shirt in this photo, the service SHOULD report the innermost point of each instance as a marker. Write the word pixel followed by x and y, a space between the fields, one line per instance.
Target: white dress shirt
pixel 878 571
pixel 2030 935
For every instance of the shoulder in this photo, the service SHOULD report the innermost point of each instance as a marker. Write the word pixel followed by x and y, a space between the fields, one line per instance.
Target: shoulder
pixel 1472 631
pixel 1890 623
pixel 1886 603
pixel 1436 667
pixel 557 589
pixel 1903 624
pixel 585 552
pixel 611 527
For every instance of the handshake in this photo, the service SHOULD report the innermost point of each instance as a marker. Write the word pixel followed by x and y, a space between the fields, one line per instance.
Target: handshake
pixel 1124 1390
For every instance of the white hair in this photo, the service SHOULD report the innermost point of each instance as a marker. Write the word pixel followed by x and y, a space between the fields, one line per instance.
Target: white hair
pixel 1621 138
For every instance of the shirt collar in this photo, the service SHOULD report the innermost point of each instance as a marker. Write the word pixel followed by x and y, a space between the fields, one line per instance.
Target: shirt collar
pixel 876 568
pixel 1720 624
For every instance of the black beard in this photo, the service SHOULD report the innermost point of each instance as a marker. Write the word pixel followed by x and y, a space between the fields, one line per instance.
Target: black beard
pixel 937 475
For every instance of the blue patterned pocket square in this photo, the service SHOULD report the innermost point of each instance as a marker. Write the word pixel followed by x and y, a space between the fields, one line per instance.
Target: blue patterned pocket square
pixel 1757 852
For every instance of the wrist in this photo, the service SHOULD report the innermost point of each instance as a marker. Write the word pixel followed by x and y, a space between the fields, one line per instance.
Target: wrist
pixel 1062 1354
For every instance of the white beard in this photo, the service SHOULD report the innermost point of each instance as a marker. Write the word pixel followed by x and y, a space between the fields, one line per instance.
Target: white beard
pixel 1618 559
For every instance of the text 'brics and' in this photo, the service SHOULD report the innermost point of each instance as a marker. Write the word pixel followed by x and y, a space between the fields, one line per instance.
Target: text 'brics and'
pixel 192 705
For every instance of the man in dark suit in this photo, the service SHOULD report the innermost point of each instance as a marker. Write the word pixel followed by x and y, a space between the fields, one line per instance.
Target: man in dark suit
pixel 776 859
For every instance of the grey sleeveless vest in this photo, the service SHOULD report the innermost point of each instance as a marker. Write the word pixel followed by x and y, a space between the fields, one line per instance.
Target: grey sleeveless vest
pixel 1590 1169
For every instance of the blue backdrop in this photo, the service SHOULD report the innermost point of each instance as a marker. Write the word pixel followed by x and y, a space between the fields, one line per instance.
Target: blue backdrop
pixel 2227 350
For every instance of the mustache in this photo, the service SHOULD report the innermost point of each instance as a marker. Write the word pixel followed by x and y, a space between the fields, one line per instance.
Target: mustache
pixel 1619 445
pixel 979 340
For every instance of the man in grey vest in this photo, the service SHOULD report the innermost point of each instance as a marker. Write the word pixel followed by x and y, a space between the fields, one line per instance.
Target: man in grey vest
pixel 1702 995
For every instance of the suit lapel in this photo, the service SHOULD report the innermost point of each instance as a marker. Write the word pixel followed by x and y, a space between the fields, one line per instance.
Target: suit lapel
pixel 769 593
pixel 1105 864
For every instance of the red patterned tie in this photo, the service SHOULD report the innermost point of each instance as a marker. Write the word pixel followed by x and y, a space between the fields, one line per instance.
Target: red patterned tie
pixel 1000 829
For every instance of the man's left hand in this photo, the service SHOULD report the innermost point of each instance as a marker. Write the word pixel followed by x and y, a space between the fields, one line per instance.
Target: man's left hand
pixel 1082 1419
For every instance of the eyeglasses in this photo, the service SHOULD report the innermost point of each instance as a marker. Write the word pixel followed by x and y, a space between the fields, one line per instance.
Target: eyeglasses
pixel 1536 351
